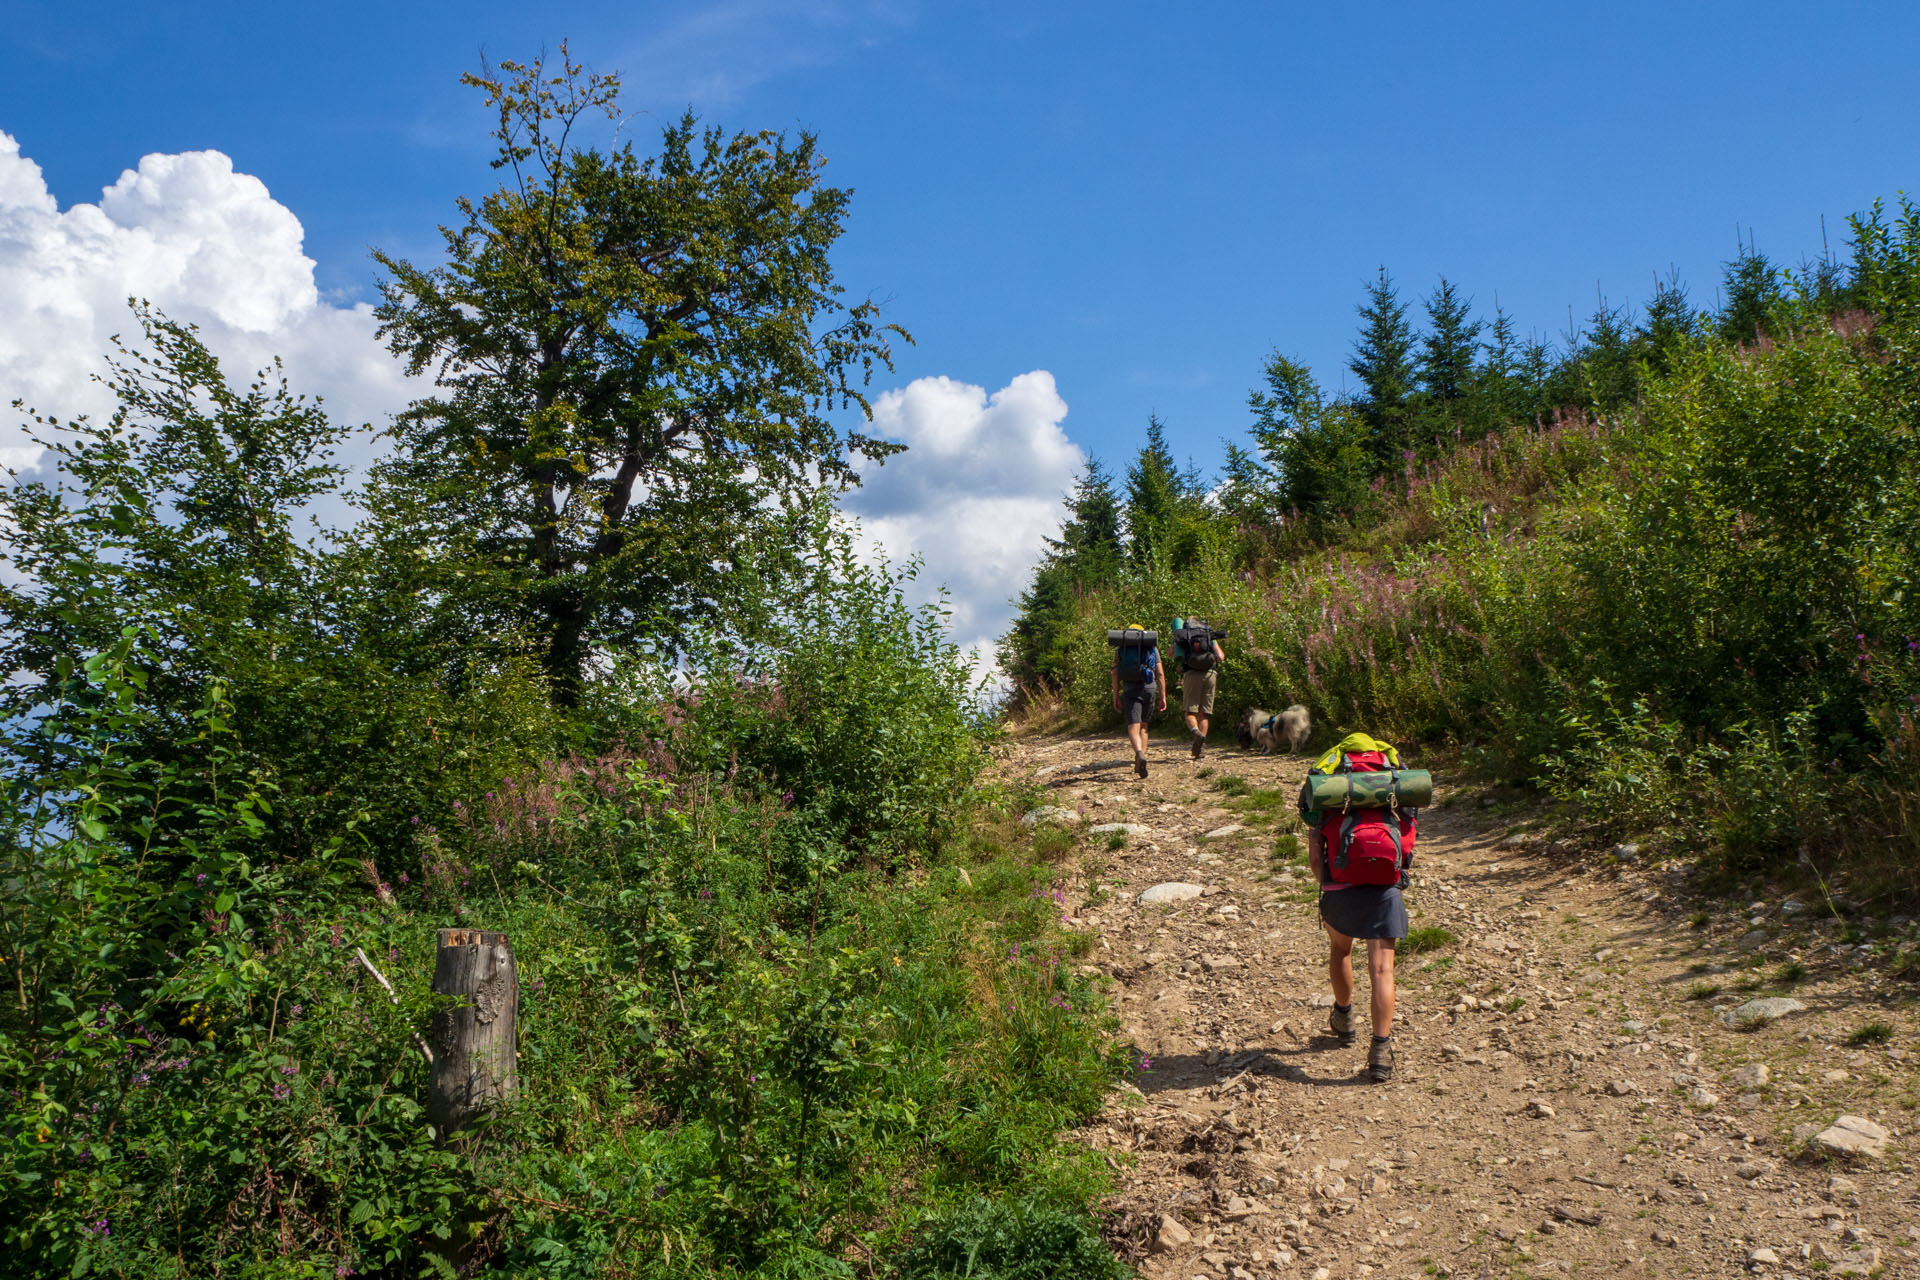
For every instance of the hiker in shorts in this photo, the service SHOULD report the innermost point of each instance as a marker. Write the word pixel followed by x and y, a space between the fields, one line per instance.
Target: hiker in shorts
pixel 1349 911
pixel 1196 694
pixel 1139 700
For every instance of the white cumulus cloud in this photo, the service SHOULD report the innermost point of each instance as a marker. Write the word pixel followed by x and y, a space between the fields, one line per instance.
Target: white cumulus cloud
pixel 204 244
pixel 981 486
pixel 978 490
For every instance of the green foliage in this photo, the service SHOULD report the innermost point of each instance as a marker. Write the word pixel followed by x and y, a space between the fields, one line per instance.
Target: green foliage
pixel 1694 618
pixel 1447 352
pixel 1383 362
pixel 636 356
pixel 991 1240
pixel 1089 552
pixel 765 1029
pixel 1427 938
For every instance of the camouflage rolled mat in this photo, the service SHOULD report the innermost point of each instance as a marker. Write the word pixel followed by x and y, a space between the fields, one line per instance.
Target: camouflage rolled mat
pixel 1407 788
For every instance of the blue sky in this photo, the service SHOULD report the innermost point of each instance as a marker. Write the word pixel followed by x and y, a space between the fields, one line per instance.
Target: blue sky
pixel 1140 203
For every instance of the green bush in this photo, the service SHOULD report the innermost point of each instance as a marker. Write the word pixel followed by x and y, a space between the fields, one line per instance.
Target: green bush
pixel 993 1240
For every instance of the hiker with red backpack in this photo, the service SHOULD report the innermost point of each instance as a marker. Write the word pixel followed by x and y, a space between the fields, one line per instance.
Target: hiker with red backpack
pixel 1139 685
pixel 1362 814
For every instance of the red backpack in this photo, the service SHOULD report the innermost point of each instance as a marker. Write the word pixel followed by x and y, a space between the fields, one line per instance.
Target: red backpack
pixel 1365 846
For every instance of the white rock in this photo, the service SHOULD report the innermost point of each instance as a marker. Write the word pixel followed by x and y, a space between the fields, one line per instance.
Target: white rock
pixel 1752 1076
pixel 1756 1012
pixel 1048 813
pixel 1170 1235
pixel 1172 891
pixel 1221 833
pixel 1623 1088
pixel 1539 1109
pixel 1793 907
pixel 1852 1136
pixel 1122 828
pixel 1705 1099
pixel 1320 1002
pixel 1763 1257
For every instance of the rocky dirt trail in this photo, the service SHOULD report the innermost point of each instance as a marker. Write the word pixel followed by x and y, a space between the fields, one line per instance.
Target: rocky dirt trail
pixel 1570 1097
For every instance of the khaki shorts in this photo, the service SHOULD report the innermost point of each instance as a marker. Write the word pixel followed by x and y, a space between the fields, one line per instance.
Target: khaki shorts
pixel 1196 691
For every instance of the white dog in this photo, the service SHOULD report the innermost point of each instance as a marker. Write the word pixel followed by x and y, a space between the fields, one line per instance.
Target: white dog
pixel 1265 731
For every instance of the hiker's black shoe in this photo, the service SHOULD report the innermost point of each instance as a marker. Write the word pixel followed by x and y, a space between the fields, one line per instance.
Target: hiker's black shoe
pixel 1139 764
pixel 1340 1021
pixel 1380 1060
pixel 1199 746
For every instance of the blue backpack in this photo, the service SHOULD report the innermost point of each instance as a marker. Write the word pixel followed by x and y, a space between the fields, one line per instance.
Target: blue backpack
pixel 1136 657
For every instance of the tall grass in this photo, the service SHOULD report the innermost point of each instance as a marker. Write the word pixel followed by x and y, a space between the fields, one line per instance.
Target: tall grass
pixel 1701 620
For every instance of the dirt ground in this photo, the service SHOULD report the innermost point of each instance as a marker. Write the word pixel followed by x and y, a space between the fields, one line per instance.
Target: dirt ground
pixel 1567 1100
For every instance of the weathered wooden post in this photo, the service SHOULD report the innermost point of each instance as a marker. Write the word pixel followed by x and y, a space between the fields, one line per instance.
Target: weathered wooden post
pixel 474 1028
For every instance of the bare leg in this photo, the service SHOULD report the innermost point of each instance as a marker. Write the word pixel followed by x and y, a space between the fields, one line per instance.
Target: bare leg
pixel 1340 965
pixel 1380 975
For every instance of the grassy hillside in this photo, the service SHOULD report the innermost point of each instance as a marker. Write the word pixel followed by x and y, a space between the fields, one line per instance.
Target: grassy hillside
pixel 1694 614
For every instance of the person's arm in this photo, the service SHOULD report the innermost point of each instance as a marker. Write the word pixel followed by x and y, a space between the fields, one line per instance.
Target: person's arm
pixel 1219 654
pixel 1160 681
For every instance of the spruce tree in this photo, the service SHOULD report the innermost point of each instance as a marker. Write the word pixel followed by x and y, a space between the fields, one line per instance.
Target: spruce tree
pixel 1752 288
pixel 1153 495
pixel 1500 392
pixel 1088 553
pixel 1090 543
pixel 1446 353
pixel 1671 323
pixel 1383 362
pixel 1603 358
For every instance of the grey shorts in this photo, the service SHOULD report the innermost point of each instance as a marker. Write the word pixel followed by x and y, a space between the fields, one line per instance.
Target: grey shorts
pixel 1137 702
pixel 1365 911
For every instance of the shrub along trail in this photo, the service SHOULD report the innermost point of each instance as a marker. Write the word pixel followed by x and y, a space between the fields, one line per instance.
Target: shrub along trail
pixel 1567 1098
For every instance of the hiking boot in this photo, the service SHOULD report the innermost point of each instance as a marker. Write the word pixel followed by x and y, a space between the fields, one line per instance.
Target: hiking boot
pixel 1380 1061
pixel 1139 764
pixel 1199 745
pixel 1340 1021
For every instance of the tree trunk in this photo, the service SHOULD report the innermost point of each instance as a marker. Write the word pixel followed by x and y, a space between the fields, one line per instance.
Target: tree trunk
pixel 475 1033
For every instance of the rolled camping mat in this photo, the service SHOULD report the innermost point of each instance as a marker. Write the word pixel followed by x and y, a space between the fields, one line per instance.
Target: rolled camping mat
pixel 1133 637
pixel 1407 788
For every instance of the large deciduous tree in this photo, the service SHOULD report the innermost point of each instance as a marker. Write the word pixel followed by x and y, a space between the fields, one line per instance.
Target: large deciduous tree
pixel 634 358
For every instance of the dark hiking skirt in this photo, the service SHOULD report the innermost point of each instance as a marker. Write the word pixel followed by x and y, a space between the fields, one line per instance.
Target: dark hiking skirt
pixel 1365 911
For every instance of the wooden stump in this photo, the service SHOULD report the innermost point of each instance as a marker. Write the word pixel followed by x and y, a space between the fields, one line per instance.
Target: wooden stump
pixel 474 1028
